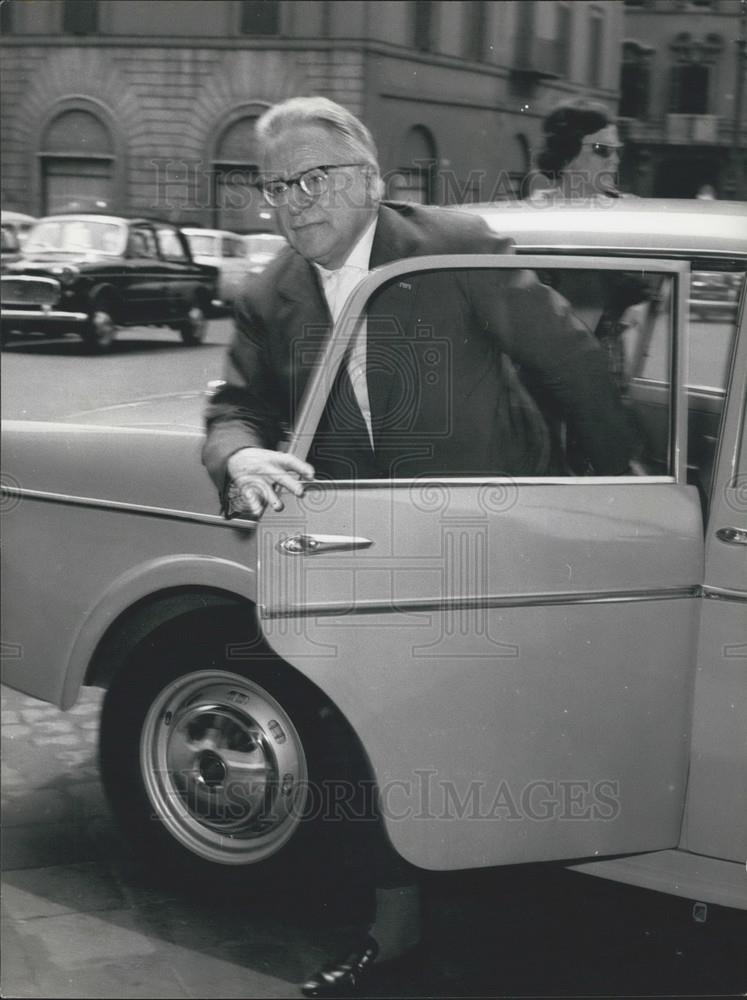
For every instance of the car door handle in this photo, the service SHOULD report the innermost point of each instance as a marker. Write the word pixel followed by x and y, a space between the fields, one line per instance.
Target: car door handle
pixel 735 536
pixel 309 545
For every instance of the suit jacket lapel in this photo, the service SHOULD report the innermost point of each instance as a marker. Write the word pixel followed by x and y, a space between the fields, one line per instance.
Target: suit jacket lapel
pixel 303 323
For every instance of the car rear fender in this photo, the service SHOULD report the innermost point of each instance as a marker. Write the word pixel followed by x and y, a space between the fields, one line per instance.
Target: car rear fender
pixel 139 601
pixel 200 616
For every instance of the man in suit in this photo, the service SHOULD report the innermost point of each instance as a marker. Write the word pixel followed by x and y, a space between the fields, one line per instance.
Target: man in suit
pixel 490 326
pixel 384 416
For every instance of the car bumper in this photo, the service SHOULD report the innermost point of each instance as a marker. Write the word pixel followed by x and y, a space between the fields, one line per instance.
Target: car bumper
pixel 26 317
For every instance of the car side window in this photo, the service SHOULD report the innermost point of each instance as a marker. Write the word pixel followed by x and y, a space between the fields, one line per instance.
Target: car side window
pixel 232 247
pixel 141 242
pixel 170 245
pixel 713 312
pixel 713 306
pixel 10 243
pixel 476 373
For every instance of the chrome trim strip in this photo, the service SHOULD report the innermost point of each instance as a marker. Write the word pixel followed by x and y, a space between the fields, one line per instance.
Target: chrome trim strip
pixel 724 594
pixel 489 601
pixel 661 253
pixel 38 313
pixel 42 278
pixel 495 481
pixel 128 508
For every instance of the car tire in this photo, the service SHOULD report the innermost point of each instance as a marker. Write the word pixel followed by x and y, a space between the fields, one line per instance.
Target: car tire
pixel 216 773
pixel 100 331
pixel 193 329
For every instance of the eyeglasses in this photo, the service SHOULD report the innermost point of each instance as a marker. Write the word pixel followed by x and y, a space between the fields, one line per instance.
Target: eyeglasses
pixel 602 149
pixel 313 182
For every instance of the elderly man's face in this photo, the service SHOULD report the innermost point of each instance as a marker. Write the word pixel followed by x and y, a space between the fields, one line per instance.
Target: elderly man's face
pixel 325 227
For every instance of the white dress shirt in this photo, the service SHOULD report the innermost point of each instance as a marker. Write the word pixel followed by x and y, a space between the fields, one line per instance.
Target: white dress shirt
pixel 337 285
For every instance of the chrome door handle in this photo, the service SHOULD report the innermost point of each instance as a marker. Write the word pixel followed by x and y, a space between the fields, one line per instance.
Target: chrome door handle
pixel 735 536
pixel 309 545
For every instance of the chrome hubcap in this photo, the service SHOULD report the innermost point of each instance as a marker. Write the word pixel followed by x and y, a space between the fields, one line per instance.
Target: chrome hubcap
pixel 224 767
pixel 103 327
pixel 197 323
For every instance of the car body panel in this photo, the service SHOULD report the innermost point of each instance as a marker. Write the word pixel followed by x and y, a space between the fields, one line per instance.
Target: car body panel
pixel 442 612
pixel 118 533
pixel 647 226
pixel 53 462
pixel 714 822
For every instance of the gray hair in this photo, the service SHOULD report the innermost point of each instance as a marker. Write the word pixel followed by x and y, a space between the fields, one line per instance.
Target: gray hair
pixel 322 112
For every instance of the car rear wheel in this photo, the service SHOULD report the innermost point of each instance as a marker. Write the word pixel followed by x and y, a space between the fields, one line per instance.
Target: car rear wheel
pixel 215 772
pixel 100 331
pixel 194 328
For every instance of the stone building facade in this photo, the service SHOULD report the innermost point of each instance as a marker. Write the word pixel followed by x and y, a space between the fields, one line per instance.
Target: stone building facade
pixel 143 107
pixel 682 99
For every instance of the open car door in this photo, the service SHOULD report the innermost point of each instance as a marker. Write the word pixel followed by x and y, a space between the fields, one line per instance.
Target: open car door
pixel 517 656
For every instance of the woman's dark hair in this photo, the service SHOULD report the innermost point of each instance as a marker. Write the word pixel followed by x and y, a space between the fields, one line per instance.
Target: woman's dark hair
pixel 565 128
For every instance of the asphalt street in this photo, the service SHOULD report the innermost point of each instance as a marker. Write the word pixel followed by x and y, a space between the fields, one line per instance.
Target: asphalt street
pixel 81 916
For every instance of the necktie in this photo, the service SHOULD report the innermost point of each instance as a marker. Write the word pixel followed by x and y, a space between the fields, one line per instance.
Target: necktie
pixel 337 286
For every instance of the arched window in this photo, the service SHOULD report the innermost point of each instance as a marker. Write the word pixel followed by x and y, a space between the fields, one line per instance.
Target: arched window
pixel 237 204
pixel 415 178
pixel 77 164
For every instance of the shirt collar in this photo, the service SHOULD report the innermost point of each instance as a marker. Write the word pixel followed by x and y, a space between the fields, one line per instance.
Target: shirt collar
pixel 359 257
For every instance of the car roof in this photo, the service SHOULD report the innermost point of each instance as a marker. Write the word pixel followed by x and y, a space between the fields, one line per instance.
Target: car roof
pixel 86 217
pixel 646 225
pixel 200 231
pixel 124 220
pixel 12 218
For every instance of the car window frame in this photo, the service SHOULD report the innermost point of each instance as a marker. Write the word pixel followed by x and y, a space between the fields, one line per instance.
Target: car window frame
pixel 182 241
pixel 331 356
pixel 145 227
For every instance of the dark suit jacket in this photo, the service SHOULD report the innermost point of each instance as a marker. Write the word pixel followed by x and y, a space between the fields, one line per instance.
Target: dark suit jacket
pixel 445 355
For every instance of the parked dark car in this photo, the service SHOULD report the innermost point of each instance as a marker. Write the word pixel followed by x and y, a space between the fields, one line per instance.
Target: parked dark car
pixel 90 274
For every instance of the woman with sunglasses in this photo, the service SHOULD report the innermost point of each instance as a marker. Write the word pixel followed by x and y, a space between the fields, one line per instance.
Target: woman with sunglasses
pixel 581 153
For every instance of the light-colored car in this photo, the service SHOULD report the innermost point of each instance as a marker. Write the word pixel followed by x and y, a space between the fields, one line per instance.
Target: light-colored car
pixel 14 227
pixel 18 223
pixel 261 248
pixel 224 250
pixel 512 670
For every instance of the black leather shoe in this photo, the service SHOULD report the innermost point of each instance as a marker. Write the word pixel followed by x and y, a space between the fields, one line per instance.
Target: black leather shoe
pixel 343 978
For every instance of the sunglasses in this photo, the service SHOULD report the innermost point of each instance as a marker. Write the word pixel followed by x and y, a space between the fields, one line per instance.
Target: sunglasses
pixel 603 150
